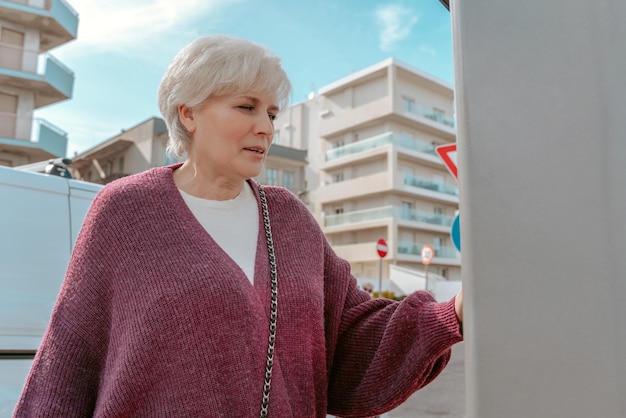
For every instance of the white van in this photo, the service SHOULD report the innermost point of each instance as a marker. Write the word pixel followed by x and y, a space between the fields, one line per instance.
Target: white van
pixel 40 216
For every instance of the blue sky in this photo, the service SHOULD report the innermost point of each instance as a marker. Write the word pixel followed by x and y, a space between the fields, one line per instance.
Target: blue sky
pixel 124 46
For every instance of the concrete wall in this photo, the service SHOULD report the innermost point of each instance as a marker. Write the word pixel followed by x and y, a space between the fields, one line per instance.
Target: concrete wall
pixel 542 159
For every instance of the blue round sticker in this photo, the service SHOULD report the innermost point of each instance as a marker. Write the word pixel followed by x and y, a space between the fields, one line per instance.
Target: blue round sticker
pixel 455 232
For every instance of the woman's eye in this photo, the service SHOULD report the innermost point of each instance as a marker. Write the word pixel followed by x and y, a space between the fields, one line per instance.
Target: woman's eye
pixel 246 107
pixel 272 117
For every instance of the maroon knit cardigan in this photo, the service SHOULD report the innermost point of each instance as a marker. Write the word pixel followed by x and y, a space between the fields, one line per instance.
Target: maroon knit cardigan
pixel 154 319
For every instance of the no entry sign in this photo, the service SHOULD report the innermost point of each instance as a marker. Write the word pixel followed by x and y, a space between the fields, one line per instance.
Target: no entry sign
pixel 381 248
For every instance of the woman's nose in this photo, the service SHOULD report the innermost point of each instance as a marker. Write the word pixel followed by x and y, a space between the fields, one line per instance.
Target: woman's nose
pixel 264 125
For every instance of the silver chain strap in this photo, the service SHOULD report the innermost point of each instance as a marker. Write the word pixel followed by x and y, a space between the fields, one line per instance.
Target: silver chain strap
pixel 273 307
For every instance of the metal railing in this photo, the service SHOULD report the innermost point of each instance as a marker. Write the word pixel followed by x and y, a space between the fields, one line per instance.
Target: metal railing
pixel 414 248
pixel 423 183
pixel 432 115
pixel 385 212
pixel 32 129
pixel 42 64
pixel 359 216
pixel 380 141
pixel 60 10
pixel 423 216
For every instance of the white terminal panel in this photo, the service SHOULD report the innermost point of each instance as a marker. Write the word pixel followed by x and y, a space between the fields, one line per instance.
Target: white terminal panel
pixel 541 105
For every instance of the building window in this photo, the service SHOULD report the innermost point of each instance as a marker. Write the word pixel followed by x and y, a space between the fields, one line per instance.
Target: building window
pixel 338 211
pixel 338 177
pixel 289 179
pixel 121 165
pixel 408 104
pixel 272 177
pixel 407 210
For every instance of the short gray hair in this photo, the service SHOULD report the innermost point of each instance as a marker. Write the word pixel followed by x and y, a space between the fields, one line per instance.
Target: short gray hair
pixel 216 65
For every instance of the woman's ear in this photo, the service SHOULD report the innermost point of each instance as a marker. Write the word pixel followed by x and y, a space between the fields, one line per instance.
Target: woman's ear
pixel 187 118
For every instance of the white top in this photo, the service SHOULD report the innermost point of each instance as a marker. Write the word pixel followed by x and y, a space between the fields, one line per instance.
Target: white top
pixel 233 224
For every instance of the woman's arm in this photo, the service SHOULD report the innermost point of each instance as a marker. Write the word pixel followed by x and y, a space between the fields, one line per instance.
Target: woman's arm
pixel 385 350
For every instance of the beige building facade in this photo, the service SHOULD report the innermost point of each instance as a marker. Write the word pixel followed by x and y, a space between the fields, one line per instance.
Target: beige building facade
pixel 373 171
pixel 31 77
pixel 133 150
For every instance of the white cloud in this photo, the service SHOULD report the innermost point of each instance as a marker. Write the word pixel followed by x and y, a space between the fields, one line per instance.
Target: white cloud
pixel 395 23
pixel 114 25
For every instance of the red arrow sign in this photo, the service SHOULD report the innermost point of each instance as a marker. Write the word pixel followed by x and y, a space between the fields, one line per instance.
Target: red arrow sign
pixel 381 248
pixel 448 155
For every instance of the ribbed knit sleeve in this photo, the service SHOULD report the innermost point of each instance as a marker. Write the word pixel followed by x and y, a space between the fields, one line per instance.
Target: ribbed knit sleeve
pixel 63 380
pixel 385 350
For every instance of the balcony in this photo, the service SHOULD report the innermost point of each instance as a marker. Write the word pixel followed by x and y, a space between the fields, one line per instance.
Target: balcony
pixel 56 21
pixel 408 251
pixel 347 119
pixel 415 181
pixel 379 141
pixel 356 187
pixel 41 73
pixel 359 216
pixel 33 136
pixel 433 115
pixel 443 255
pixel 432 221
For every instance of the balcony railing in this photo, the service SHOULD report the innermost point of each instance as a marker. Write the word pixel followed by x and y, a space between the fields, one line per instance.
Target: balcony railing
pixel 59 10
pixel 32 131
pixel 359 216
pixel 412 248
pixel 423 216
pixel 65 15
pixel 385 212
pixel 423 183
pixel 380 141
pixel 44 65
pixel 432 115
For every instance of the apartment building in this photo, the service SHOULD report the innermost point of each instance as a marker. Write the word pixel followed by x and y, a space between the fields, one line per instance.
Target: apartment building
pixel 373 171
pixel 31 78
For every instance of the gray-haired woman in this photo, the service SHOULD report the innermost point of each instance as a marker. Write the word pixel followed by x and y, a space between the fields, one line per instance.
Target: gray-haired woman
pixel 195 292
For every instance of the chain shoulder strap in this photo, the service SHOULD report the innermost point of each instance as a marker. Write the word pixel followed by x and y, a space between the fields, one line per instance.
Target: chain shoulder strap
pixel 273 307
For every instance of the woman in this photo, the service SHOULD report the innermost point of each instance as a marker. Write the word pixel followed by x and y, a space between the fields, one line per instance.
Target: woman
pixel 194 292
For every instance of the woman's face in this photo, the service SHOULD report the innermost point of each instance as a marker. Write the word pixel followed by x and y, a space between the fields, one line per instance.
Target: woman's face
pixel 231 135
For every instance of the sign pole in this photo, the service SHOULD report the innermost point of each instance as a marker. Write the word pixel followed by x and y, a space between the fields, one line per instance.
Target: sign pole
pixel 382 249
pixel 380 277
